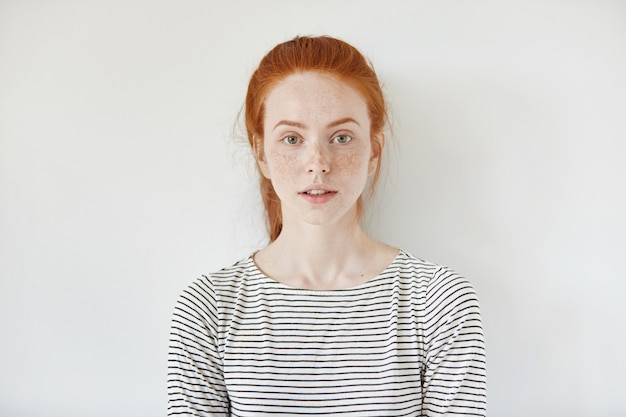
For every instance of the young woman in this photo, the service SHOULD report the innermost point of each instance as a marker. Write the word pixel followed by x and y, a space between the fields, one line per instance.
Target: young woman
pixel 324 320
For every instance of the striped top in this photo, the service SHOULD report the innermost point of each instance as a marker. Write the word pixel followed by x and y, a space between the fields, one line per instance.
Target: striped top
pixel 409 342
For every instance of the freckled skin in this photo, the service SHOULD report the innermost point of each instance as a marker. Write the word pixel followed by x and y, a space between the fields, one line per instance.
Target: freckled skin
pixel 317 113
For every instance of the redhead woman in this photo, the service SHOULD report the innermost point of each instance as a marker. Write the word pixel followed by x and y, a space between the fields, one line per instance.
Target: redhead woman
pixel 324 320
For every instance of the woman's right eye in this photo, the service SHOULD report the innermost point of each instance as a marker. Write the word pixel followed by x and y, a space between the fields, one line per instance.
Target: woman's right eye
pixel 291 140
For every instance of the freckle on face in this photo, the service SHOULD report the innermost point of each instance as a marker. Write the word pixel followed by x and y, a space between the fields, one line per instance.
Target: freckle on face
pixel 316 101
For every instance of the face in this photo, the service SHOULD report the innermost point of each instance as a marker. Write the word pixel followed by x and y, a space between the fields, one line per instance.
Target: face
pixel 317 148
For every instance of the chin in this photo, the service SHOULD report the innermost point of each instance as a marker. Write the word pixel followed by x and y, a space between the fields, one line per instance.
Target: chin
pixel 333 220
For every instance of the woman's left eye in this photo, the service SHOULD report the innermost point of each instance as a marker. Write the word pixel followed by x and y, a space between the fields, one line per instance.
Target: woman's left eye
pixel 291 140
pixel 342 139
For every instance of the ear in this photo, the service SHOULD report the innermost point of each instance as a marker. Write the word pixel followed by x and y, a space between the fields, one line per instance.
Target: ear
pixel 259 155
pixel 378 143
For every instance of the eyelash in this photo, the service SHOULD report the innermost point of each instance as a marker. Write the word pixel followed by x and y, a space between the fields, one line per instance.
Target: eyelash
pixel 348 138
pixel 287 139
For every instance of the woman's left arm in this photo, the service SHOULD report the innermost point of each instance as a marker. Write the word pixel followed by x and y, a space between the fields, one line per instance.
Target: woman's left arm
pixel 454 371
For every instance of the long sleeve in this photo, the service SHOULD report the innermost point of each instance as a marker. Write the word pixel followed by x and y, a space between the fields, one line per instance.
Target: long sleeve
pixel 408 342
pixel 195 379
pixel 454 373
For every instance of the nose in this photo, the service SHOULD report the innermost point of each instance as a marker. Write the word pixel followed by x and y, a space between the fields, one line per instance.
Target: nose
pixel 318 160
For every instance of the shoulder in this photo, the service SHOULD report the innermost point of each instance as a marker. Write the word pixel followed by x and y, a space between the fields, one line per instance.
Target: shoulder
pixel 233 275
pixel 409 264
pixel 428 273
pixel 204 293
pixel 439 281
pixel 448 299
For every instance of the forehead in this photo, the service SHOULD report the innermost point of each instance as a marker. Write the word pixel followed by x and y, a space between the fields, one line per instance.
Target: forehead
pixel 315 96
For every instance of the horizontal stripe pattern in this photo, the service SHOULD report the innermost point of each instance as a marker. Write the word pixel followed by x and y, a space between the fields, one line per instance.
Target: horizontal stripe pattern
pixel 406 343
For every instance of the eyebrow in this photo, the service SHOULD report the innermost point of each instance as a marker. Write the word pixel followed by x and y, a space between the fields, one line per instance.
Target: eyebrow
pixel 302 126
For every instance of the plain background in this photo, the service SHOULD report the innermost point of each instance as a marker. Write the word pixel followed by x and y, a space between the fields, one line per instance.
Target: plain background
pixel 123 177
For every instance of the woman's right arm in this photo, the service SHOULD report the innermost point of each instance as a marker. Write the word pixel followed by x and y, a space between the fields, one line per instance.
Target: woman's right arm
pixel 195 382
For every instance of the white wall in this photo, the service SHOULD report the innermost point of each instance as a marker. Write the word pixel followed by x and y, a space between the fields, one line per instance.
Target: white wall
pixel 121 181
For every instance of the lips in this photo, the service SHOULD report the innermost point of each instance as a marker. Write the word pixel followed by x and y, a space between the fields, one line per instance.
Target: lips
pixel 317 190
pixel 317 194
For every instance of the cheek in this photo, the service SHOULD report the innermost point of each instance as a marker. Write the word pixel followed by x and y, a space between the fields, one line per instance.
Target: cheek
pixel 281 167
pixel 354 168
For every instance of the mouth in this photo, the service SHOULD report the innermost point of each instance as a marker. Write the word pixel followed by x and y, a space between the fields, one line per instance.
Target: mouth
pixel 317 192
pixel 318 195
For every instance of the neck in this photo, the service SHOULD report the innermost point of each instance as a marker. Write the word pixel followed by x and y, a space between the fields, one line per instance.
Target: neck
pixel 320 257
pixel 329 243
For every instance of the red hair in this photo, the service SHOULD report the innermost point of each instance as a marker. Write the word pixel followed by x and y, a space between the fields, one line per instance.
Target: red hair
pixel 323 54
